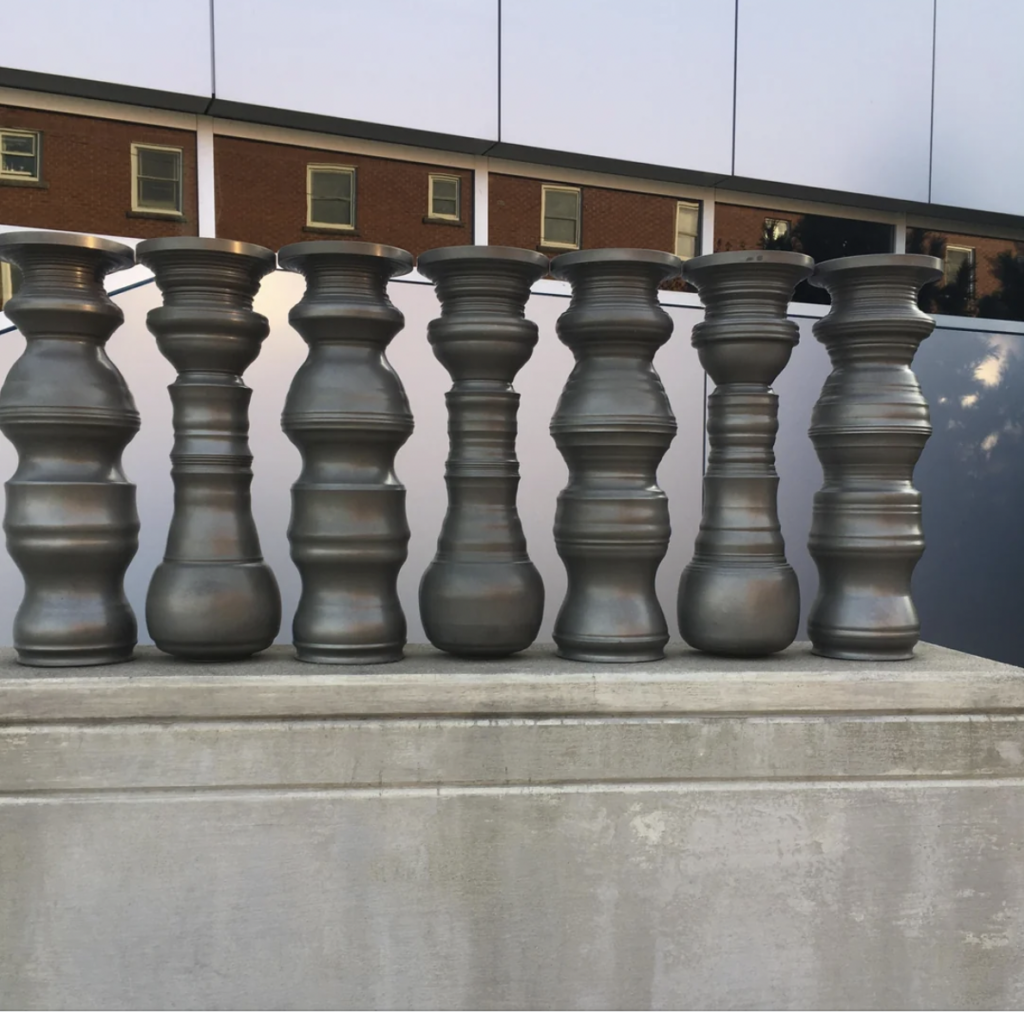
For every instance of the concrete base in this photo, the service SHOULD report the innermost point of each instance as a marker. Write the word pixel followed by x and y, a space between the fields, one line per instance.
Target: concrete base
pixel 528 833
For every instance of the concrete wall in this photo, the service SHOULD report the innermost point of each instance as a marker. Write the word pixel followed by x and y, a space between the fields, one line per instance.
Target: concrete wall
pixel 536 834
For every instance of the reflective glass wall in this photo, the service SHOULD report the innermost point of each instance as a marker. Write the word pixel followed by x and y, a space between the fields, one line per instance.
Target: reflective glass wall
pixel 969 586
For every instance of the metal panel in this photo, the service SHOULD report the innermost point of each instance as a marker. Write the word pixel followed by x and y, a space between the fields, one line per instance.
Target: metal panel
pixel 836 96
pixel 977 143
pixel 431 67
pixel 122 42
pixel 624 67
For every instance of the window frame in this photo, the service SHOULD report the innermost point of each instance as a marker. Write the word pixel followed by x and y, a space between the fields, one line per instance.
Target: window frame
pixel 691 206
pixel 435 177
pixel 139 208
pixel 773 223
pixel 971 259
pixel 350 170
pixel 6 284
pixel 547 188
pixel 20 177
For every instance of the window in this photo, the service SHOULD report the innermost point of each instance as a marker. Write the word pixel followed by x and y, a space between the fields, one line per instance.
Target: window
pixel 10 278
pixel 156 179
pixel 560 217
pixel 687 228
pixel 955 260
pixel 444 197
pixel 19 155
pixel 331 196
pixel 776 229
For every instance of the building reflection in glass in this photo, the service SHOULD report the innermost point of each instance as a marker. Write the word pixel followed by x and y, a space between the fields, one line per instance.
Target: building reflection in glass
pixel 821 236
pixel 984 276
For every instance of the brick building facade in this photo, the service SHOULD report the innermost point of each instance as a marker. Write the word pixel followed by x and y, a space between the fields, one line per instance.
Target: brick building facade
pixel 261 190
pixel 607 217
pixel 85 176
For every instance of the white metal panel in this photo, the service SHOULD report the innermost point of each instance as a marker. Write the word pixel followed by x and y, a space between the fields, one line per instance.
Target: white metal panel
pixel 979 105
pixel 646 81
pixel 835 95
pixel 115 41
pixel 423 66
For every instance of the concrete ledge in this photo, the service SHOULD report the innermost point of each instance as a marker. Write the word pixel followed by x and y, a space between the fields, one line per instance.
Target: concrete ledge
pixel 536 683
pixel 529 834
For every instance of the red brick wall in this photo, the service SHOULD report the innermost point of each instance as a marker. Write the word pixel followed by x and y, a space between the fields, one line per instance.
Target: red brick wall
pixel 741 228
pixel 87 171
pixel 261 197
pixel 608 217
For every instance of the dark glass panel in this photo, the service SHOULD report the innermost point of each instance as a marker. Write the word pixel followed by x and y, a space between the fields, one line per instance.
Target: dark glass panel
pixel 983 277
pixel 820 236
pixel 969 586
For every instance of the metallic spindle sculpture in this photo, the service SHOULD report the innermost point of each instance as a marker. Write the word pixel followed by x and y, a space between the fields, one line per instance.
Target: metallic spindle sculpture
pixel 71 523
pixel 347 413
pixel 613 425
pixel 739 595
pixel 482 595
pixel 213 596
pixel 869 427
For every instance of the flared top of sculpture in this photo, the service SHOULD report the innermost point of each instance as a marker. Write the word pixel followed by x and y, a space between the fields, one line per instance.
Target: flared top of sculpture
pixel 872 261
pixel 567 263
pixel 902 274
pixel 482 333
pixel 874 313
pixel 294 256
pixel 753 256
pixel 739 288
pixel 194 244
pixel 745 336
pixel 426 262
pixel 117 256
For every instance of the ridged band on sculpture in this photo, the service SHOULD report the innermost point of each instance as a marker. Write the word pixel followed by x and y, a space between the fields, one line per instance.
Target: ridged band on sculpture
pixel 71 521
pixel 213 596
pixel 481 595
pixel 869 428
pixel 613 425
pixel 347 413
pixel 738 595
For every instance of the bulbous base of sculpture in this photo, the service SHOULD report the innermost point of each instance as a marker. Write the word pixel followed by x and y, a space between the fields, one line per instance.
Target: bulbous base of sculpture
pixel 862 655
pixel 369 653
pixel 739 611
pixel 611 613
pixel 481 609
pixel 895 644
pixel 604 652
pixel 80 657
pixel 862 613
pixel 206 611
